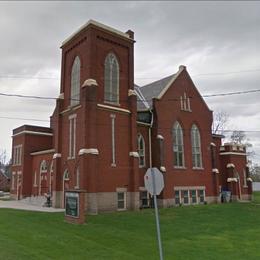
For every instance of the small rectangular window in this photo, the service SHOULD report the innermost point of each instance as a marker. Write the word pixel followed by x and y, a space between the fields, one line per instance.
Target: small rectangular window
pixel 121 200
pixel 202 196
pixel 177 197
pixel 186 197
pixel 193 196
pixel 144 199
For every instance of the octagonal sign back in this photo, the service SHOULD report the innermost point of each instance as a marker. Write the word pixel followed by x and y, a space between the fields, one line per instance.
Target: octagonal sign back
pixel 158 181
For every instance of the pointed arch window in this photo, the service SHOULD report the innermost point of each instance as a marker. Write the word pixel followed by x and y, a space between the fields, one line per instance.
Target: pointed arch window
pixel 178 147
pixel 66 175
pixel 141 150
pixel 75 82
pixel 196 147
pixel 111 82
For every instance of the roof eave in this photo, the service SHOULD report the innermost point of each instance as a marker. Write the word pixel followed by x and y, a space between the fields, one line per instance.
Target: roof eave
pixel 100 26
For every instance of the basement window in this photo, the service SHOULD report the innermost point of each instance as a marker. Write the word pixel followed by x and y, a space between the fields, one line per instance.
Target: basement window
pixel 121 200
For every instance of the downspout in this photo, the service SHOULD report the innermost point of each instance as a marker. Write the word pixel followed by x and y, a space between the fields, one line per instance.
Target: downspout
pixel 150 139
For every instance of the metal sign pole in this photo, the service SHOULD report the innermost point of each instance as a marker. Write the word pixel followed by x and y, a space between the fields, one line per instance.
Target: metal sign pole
pixel 157 216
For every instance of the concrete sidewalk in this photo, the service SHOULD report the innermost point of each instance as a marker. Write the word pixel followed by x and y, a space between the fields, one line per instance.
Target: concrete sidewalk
pixel 14 204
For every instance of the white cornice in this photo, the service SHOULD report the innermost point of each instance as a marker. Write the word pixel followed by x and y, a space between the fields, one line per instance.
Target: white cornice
pixel 100 25
pixel 32 133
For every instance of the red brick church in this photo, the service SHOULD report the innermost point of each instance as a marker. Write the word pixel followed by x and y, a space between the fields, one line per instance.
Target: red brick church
pixel 105 132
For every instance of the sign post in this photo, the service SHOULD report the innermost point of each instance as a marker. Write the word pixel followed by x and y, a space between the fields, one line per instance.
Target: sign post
pixel 154 183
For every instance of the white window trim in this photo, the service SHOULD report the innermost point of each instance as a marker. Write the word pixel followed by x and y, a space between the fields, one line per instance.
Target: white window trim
pixel 113 163
pixel 35 179
pixel 188 197
pixel 180 200
pixel 77 178
pixel 125 194
pixel 72 139
pixel 196 196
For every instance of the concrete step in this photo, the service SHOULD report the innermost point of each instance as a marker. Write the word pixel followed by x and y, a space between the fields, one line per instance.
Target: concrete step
pixel 37 200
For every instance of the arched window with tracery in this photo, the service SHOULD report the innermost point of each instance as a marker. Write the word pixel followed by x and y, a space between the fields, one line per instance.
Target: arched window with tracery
pixel 196 147
pixel 111 79
pixel 178 147
pixel 75 82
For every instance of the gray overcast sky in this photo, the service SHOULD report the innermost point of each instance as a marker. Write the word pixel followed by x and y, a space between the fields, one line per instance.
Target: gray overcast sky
pixel 207 37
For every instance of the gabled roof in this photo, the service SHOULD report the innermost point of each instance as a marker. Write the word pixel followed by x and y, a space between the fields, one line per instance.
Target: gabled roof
pixel 155 89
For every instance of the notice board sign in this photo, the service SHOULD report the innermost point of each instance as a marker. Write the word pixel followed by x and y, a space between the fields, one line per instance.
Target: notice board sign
pixel 72 204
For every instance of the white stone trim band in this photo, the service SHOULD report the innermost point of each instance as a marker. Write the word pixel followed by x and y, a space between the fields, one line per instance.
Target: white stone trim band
pixel 114 108
pixel 33 133
pixel 43 152
pixel 134 154
pixel 88 151
pixel 56 155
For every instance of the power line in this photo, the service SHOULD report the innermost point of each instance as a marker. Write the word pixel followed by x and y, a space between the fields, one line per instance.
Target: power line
pixel 26 119
pixel 141 100
pixel 27 96
pixel 232 93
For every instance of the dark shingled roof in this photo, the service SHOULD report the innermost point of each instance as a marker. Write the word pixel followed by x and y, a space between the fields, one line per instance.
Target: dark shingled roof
pixel 154 89
pixel 141 102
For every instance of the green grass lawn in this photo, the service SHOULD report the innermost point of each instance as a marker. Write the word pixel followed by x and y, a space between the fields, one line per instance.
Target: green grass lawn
pixel 226 231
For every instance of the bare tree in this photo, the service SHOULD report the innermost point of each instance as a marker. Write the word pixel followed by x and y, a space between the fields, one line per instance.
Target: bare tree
pixel 220 122
pixel 2 157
